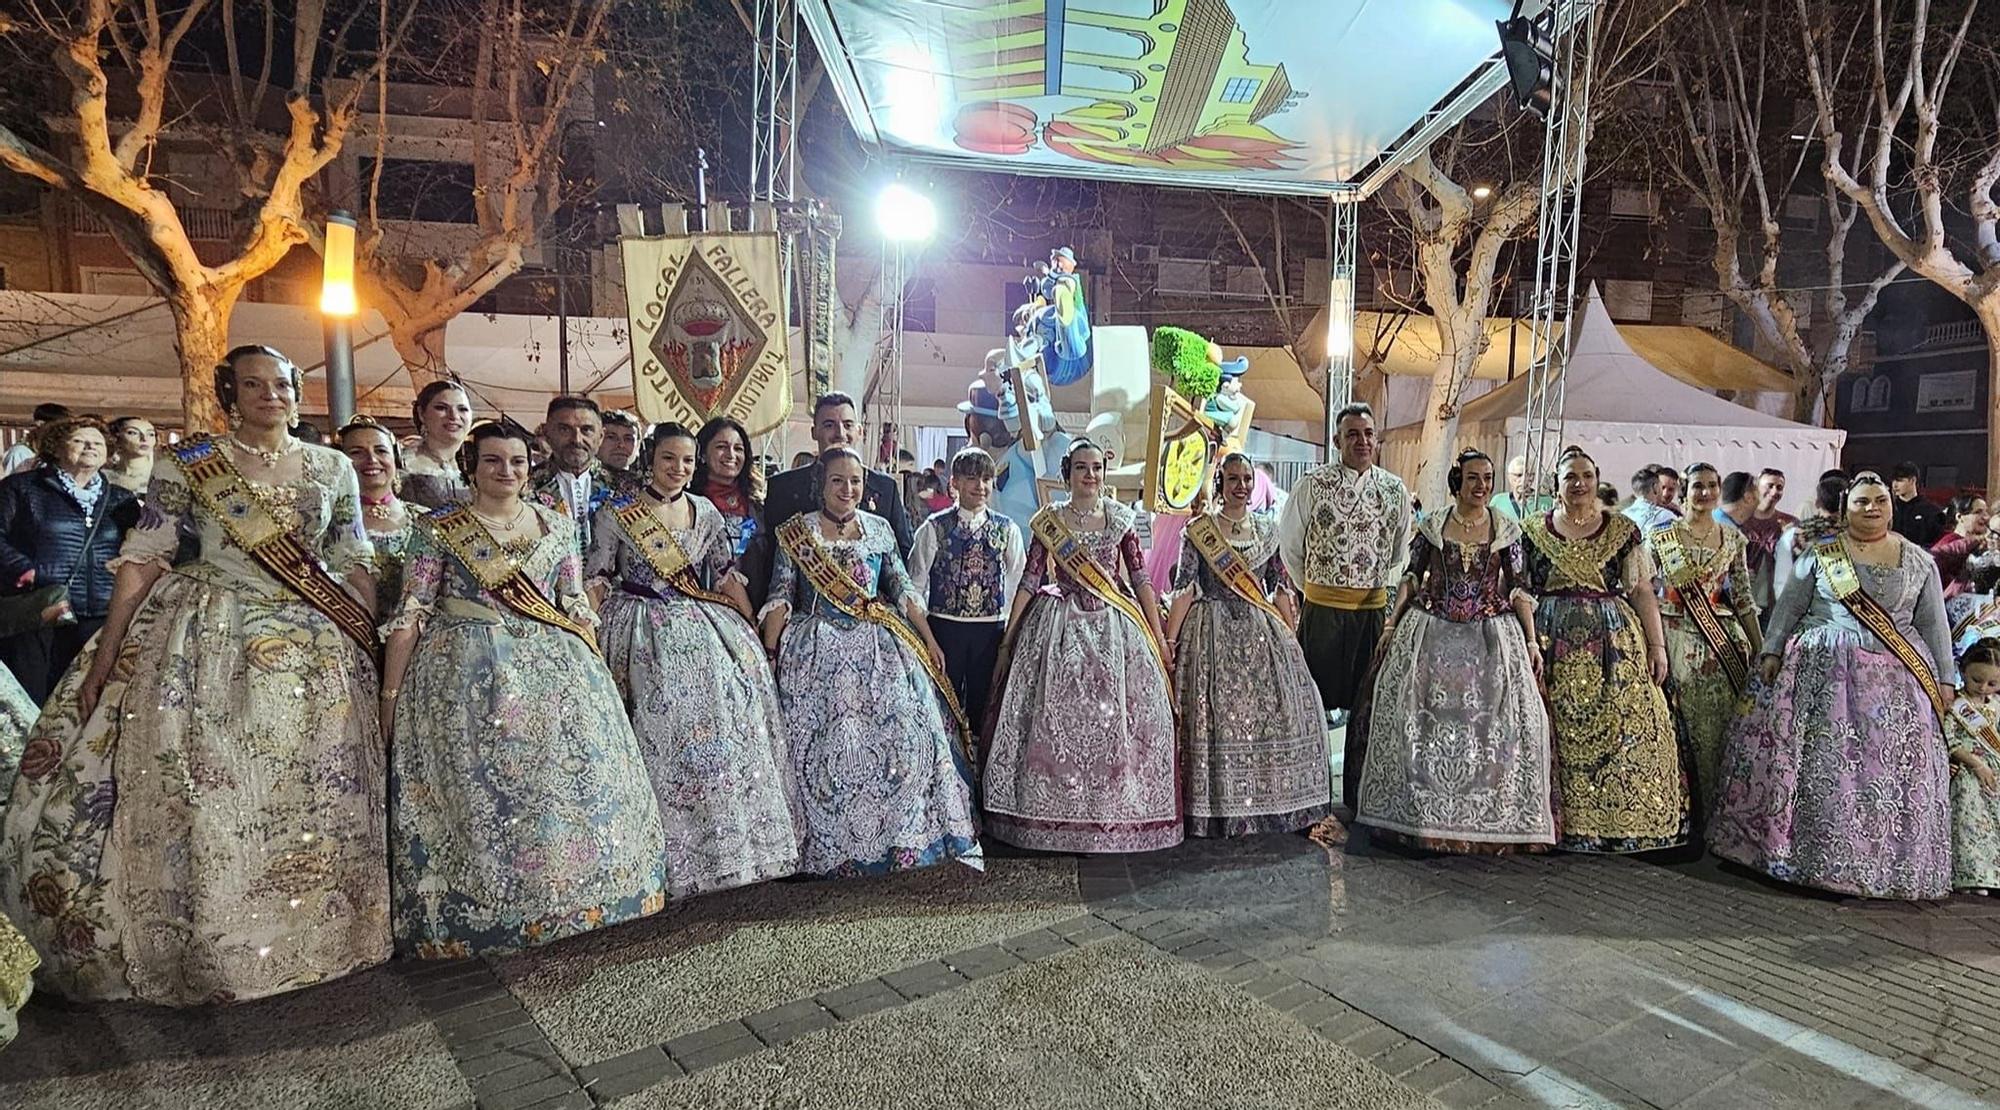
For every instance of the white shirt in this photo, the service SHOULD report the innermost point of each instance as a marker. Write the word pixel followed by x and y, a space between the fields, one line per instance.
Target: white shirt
pixel 575 490
pixel 1013 560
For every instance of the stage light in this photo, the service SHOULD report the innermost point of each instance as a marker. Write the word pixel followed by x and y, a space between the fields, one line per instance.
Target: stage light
pixel 1481 192
pixel 1530 56
pixel 1340 318
pixel 904 215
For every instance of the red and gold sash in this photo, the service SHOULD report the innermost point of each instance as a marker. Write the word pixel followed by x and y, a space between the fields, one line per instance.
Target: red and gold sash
pixel 801 542
pixel 1067 550
pixel 1975 721
pixel 1227 563
pixel 1684 578
pixel 225 493
pixel 497 572
pixel 1838 567
pixel 657 545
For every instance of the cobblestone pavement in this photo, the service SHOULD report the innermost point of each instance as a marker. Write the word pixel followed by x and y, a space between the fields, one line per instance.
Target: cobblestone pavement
pixel 1269 971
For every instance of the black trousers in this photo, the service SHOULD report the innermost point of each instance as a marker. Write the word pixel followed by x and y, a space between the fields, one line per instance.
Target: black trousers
pixel 39 658
pixel 1338 646
pixel 971 650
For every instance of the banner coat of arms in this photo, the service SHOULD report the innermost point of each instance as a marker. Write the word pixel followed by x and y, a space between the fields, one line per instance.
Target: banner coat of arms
pixel 709 332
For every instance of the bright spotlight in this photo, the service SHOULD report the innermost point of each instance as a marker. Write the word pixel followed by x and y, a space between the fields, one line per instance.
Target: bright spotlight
pixel 1481 192
pixel 904 215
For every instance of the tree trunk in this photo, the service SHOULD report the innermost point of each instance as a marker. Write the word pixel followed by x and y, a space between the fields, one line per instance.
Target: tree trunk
pixel 422 351
pixel 1462 337
pixel 201 337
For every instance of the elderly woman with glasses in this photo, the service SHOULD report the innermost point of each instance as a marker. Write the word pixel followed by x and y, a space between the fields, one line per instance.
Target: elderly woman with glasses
pixel 1839 778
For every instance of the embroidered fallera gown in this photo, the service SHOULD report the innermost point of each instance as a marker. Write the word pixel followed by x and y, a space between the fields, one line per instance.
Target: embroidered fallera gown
pixel 882 784
pixel 213 831
pixel 1838 778
pixel 520 810
pixel 1255 729
pixel 17 957
pixel 1620 786
pixel 704 706
pixel 1703 698
pixel 1975 814
pixel 1083 754
pixel 1456 733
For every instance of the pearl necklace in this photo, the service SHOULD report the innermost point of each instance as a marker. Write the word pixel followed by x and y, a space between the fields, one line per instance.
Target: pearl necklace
pixel 271 458
pixel 506 527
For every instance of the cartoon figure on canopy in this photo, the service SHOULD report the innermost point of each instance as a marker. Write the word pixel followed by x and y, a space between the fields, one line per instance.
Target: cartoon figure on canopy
pixel 1058 320
pixel 1026 441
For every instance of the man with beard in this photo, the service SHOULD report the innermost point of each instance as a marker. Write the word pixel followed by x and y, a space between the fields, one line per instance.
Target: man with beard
pixel 573 481
pixel 836 423
pixel 1342 536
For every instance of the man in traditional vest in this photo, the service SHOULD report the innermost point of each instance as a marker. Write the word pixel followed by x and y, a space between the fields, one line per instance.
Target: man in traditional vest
pixel 1343 537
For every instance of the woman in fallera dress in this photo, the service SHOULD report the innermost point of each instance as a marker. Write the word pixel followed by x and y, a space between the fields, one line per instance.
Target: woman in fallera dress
pixel 1711 626
pixel 696 684
pixel 199 813
pixel 520 811
pixel 1620 786
pixel 1837 779
pixel 377 459
pixel 1457 736
pixel 1083 752
pixel 883 784
pixel 443 414
pixel 1256 759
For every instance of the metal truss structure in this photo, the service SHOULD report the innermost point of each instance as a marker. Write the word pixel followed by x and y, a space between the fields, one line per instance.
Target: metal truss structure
pixel 1564 147
pixel 774 102
pixel 1340 239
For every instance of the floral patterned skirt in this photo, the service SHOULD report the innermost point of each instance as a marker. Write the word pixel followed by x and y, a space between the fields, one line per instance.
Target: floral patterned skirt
pixel 1457 738
pixel 705 710
pixel 1620 786
pixel 1083 752
pixel 520 811
pixel 17 716
pixel 1837 778
pixel 1704 701
pixel 881 782
pixel 1975 825
pixel 213 832
pixel 1256 758
pixel 17 968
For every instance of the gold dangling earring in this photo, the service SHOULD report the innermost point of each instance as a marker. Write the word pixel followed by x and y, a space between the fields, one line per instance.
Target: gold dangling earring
pixel 234 415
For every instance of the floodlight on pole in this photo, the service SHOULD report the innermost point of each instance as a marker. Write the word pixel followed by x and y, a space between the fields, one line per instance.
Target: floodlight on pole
pixel 904 215
pixel 337 304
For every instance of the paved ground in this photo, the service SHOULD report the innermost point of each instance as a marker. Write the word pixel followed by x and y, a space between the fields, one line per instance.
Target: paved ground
pixel 1267 972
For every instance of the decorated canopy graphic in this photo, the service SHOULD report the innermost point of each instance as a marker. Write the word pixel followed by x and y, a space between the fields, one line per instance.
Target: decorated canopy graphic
pixel 1260 95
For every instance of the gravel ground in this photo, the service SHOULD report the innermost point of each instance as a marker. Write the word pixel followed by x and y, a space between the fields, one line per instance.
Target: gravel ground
pixel 358 1042
pixel 1115 1026
pixel 726 955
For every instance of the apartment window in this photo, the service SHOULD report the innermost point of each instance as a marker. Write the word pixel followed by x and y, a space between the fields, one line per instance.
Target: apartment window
pixel 433 192
pixel 1629 300
pixel 1948 391
pixel 1632 203
pixel 1183 275
pixel 1240 90
pixel 1870 394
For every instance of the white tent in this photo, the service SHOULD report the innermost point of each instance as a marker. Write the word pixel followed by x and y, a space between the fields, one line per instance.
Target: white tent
pixel 1628 413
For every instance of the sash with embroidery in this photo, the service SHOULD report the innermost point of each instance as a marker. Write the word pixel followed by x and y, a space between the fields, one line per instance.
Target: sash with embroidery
pixel 1684 578
pixel 225 493
pixel 833 582
pixel 1067 550
pixel 1986 616
pixel 1227 563
pixel 662 552
pixel 1976 722
pixel 1838 567
pixel 497 572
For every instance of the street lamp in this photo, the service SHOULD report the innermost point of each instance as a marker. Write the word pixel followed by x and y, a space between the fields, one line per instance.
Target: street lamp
pixel 338 305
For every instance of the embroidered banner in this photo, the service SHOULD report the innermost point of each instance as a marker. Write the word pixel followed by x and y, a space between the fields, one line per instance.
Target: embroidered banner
pixel 224 492
pixel 497 572
pixel 709 334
